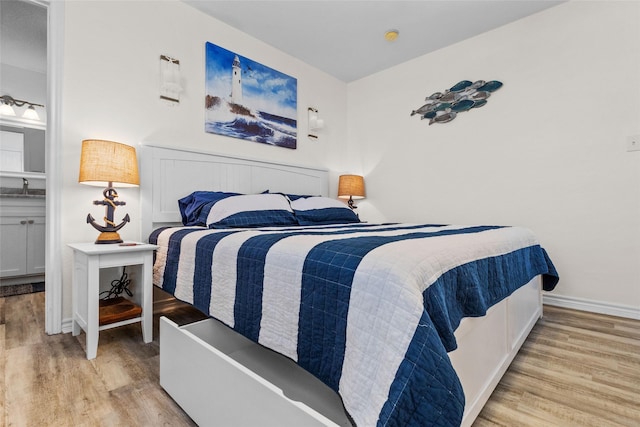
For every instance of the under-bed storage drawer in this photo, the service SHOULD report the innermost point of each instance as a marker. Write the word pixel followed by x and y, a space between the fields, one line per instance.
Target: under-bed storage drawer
pixel 488 344
pixel 525 307
pixel 221 378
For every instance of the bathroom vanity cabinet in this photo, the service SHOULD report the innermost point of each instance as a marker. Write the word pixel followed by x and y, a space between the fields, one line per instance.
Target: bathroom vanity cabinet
pixel 22 242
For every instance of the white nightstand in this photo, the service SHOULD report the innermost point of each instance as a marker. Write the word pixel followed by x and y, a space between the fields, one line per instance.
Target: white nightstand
pixel 88 259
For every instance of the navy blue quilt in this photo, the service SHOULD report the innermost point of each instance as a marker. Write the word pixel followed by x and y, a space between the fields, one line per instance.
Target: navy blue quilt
pixel 369 309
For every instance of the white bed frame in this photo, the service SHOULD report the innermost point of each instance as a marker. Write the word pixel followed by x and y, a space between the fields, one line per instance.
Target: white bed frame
pixel 220 378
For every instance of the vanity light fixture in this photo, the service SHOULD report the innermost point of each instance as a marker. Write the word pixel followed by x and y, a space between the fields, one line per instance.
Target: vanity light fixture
pixel 6 109
pixel 7 103
pixel 31 113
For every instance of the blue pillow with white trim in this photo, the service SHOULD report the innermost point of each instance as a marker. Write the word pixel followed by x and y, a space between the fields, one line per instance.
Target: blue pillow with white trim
pixel 322 211
pixel 195 207
pixel 251 210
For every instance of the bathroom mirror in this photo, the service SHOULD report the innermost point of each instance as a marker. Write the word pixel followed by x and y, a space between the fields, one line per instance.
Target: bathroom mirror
pixel 22 148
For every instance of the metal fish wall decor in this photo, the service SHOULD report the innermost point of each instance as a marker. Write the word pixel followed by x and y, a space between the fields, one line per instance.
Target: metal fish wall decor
pixel 442 107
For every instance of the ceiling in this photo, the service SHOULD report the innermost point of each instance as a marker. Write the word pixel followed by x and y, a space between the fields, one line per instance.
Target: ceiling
pixel 346 38
pixel 343 38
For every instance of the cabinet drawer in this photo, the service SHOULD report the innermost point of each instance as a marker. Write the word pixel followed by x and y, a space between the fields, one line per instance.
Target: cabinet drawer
pixel 221 378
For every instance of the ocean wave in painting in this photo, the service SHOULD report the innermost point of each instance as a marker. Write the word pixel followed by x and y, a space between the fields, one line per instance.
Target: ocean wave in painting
pixel 253 125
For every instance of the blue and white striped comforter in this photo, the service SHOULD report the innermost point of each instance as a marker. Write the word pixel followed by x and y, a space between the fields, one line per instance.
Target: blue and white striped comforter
pixel 369 309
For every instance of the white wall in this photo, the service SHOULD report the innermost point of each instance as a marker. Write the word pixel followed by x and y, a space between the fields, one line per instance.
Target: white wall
pixel 547 152
pixel 111 91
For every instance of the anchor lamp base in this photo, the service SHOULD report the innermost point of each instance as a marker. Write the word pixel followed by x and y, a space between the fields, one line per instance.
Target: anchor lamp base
pixel 108 237
pixel 108 231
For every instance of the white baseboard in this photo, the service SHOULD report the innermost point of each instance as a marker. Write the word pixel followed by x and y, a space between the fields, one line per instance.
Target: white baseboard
pixel 592 306
pixel 67 325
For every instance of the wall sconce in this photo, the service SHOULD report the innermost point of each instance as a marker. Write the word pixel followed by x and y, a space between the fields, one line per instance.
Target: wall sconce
pixel 8 102
pixel 108 164
pixel 351 187
pixel 315 122
pixel 170 87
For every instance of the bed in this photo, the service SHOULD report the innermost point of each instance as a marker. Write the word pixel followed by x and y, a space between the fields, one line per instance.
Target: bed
pixel 399 324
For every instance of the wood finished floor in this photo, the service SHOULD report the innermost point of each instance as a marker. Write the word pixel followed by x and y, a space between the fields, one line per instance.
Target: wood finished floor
pixel 576 369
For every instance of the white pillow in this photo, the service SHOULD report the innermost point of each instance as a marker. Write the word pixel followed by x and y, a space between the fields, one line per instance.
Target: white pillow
pixel 322 210
pixel 251 210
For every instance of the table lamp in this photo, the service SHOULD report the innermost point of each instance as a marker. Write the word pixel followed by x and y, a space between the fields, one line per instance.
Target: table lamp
pixel 108 164
pixel 351 187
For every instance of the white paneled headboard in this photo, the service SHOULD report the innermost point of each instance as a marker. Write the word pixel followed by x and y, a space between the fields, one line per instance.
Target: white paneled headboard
pixel 168 174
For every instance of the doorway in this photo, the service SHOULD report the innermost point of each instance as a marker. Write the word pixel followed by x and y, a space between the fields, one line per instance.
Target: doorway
pixel 23 95
pixel 54 29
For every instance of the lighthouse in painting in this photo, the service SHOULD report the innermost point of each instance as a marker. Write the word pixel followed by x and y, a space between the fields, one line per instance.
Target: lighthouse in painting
pixel 236 81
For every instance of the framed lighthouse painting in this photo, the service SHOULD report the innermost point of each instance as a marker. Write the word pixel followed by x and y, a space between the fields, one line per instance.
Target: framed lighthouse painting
pixel 245 99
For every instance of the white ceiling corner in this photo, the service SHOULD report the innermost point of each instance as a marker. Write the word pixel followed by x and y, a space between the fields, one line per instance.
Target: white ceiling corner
pixel 346 38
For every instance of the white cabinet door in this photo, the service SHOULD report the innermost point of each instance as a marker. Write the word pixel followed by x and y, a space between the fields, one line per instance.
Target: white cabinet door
pixel 35 245
pixel 13 246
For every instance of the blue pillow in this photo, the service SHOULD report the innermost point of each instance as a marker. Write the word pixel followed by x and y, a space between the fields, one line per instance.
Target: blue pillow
pixel 195 207
pixel 251 210
pixel 322 211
